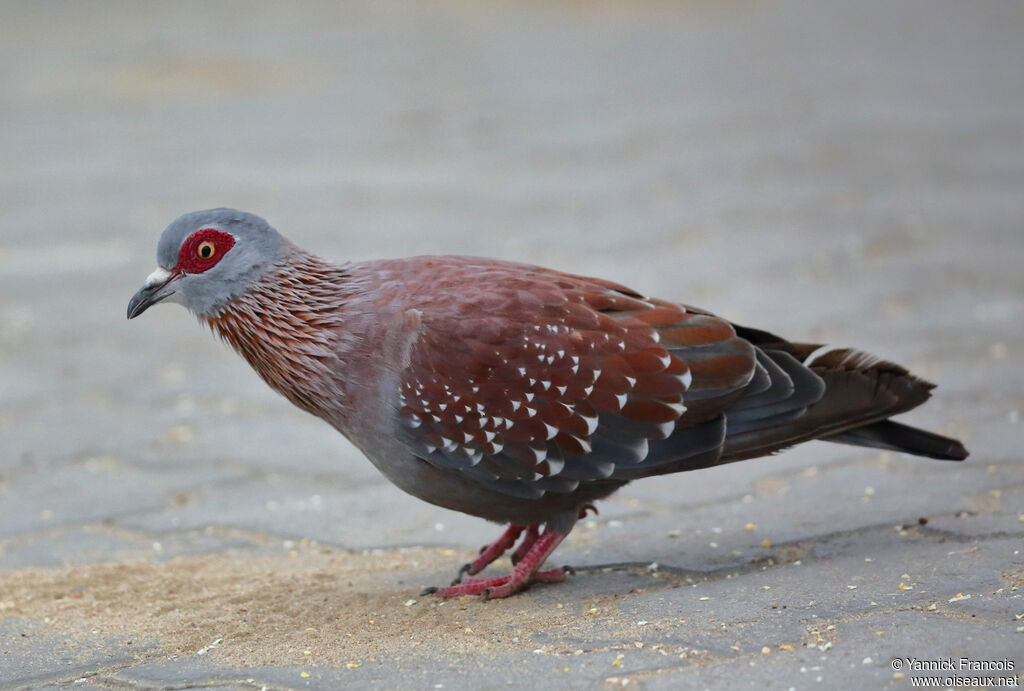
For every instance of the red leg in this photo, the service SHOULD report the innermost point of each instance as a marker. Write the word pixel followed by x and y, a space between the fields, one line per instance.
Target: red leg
pixel 492 552
pixel 525 545
pixel 526 573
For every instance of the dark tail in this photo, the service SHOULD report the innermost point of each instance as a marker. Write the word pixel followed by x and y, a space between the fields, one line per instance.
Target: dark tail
pixel 834 394
pixel 895 436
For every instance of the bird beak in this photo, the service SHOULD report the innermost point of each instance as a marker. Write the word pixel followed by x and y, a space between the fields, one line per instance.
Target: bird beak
pixel 155 289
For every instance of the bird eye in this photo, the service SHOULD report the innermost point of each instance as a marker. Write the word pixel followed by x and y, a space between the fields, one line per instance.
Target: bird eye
pixel 205 250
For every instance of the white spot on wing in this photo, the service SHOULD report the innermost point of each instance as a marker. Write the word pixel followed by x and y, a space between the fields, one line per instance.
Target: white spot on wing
pixel 591 423
pixel 585 443
pixel 679 408
pixel 665 429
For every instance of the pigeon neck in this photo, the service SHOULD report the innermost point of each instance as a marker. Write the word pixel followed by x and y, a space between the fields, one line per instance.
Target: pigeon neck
pixel 290 327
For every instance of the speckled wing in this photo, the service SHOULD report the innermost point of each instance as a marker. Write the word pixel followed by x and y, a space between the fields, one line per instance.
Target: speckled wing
pixel 555 380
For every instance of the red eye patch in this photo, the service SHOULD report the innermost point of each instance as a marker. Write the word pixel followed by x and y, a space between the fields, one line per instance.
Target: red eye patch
pixel 203 249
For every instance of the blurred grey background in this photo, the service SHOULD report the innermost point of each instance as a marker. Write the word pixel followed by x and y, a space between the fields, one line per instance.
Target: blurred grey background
pixel 826 170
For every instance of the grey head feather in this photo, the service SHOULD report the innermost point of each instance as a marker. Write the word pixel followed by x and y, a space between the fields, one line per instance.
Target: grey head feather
pixel 258 249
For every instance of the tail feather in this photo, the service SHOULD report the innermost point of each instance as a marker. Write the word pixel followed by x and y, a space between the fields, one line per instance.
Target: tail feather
pixel 895 436
pixel 860 393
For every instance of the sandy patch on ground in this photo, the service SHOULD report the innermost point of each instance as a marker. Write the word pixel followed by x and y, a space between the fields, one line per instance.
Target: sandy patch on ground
pixel 313 605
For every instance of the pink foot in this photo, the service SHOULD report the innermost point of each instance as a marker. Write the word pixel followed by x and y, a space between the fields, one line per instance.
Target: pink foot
pixel 499 587
pixel 525 545
pixel 491 552
pixel 526 573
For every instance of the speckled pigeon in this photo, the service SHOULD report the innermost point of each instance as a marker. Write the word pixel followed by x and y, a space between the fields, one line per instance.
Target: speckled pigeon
pixel 516 393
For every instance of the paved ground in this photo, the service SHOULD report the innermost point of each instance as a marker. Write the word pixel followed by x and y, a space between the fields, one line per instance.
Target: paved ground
pixel 843 171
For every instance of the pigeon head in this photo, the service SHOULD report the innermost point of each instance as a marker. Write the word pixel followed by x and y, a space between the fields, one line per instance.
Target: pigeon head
pixel 208 258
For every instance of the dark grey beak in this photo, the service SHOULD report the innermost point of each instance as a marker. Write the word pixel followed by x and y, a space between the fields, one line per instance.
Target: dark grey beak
pixel 156 288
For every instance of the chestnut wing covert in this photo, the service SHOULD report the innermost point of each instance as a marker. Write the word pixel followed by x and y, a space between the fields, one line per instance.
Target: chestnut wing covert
pixel 534 382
